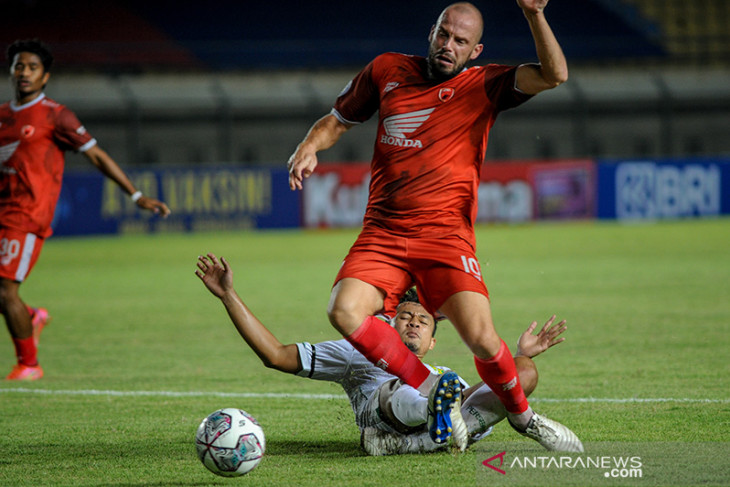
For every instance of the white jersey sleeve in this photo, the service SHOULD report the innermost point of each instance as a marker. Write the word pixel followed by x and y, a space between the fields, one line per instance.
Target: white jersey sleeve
pixel 337 361
pixel 326 360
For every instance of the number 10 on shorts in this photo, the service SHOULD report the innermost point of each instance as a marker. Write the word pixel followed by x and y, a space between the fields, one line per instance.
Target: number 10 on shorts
pixel 471 266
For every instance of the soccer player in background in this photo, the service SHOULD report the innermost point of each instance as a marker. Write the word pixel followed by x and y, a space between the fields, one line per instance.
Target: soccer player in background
pixel 35 132
pixel 392 416
pixel 434 120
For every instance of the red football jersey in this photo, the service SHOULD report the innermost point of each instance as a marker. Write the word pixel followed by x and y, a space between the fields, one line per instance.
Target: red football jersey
pixel 431 141
pixel 33 139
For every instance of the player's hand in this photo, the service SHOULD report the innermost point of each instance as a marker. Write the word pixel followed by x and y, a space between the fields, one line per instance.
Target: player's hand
pixel 216 274
pixel 530 345
pixel 155 206
pixel 300 165
pixel 532 6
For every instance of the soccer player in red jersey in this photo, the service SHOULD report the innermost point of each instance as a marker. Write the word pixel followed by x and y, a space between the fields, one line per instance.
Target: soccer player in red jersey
pixel 434 120
pixel 35 132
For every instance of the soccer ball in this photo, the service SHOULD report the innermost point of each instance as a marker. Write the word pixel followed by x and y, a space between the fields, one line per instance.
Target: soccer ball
pixel 230 442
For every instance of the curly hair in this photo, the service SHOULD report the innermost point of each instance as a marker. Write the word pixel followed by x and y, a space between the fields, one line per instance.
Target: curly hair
pixel 34 46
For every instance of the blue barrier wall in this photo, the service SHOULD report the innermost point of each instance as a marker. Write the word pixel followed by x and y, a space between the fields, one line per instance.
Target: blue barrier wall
pixel 214 198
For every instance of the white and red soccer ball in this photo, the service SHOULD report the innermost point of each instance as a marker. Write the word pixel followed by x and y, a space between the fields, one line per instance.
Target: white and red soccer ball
pixel 230 442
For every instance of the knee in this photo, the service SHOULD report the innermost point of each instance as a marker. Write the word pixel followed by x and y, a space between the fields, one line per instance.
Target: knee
pixel 345 316
pixel 527 371
pixel 484 345
pixel 351 302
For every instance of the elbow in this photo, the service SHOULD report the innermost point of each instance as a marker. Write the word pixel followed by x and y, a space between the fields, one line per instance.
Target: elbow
pixel 561 76
pixel 554 74
pixel 558 78
pixel 269 364
pixel 283 360
pixel 272 363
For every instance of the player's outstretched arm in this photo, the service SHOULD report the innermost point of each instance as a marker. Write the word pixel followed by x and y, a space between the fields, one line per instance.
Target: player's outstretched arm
pixel 103 161
pixel 553 68
pixel 217 276
pixel 530 345
pixel 322 135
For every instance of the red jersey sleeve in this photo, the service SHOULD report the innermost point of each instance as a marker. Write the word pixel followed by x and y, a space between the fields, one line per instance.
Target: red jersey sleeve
pixel 499 84
pixel 69 133
pixel 360 98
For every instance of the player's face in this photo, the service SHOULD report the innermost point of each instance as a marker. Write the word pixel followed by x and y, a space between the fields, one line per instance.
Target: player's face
pixel 453 42
pixel 415 326
pixel 28 76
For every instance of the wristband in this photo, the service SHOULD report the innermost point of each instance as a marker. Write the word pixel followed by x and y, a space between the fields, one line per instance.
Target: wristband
pixel 136 196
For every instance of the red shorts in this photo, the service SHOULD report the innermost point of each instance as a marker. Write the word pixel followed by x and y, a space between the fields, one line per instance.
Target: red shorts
pixel 439 267
pixel 19 252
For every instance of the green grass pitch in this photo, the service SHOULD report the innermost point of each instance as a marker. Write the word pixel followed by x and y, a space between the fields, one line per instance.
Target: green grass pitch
pixel 139 352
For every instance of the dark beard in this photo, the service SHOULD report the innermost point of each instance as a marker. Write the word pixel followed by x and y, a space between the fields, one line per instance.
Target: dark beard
pixel 434 74
pixel 412 347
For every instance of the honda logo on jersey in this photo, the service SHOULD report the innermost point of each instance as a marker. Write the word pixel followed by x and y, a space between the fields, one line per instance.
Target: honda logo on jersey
pixel 398 126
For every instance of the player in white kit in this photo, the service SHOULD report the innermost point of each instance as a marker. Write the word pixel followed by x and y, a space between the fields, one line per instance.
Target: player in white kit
pixel 392 416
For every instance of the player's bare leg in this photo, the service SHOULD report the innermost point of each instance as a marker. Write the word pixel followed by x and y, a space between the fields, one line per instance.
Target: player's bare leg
pixel 351 301
pixel 470 313
pixel 351 308
pixel 20 327
pixel 17 317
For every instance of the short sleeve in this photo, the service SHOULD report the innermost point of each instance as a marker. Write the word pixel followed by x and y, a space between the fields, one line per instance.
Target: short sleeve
pixel 360 99
pixel 328 360
pixel 500 85
pixel 69 133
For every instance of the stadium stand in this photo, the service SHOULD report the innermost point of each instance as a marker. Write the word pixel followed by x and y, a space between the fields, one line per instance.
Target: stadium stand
pixel 696 32
pixel 137 34
pixel 179 82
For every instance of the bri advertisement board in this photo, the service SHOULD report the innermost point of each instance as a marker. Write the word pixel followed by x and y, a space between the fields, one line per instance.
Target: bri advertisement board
pixel 213 198
pixel 663 188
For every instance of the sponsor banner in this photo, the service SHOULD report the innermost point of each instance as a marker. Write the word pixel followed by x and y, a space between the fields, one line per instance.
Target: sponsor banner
pixel 336 194
pixel 536 190
pixel 639 464
pixel 231 198
pixel 215 198
pixel 663 189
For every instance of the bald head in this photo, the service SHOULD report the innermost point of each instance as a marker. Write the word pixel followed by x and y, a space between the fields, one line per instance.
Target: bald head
pixel 454 40
pixel 469 14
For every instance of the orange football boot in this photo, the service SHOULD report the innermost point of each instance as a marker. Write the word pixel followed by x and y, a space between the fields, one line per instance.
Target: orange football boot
pixel 25 372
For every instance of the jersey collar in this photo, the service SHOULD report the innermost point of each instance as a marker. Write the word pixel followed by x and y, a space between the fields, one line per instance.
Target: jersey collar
pixel 16 108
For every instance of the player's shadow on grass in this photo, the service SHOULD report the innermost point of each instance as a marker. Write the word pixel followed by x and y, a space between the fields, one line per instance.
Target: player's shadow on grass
pixel 322 448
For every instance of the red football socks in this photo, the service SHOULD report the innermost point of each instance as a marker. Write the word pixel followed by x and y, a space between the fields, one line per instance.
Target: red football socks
pixel 382 346
pixel 500 374
pixel 26 351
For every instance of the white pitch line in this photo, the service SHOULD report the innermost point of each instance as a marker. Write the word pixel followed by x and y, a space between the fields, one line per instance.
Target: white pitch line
pixel 95 392
pixel 275 395
pixel 632 400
